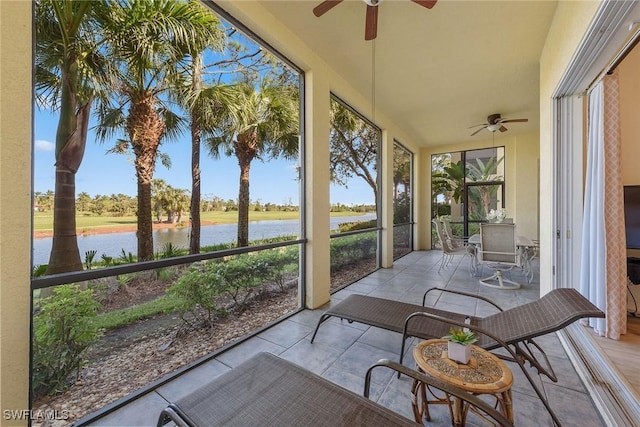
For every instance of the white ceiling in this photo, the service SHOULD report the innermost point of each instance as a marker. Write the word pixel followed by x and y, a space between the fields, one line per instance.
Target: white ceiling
pixel 437 71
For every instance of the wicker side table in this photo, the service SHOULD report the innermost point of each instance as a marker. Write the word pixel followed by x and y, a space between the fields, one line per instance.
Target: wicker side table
pixel 484 374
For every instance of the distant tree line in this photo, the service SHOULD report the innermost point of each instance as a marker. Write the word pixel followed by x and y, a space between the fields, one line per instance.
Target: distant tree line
pixel 170 204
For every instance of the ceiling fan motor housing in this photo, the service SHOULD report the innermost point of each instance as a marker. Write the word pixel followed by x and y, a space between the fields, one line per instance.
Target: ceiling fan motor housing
pixel 493 119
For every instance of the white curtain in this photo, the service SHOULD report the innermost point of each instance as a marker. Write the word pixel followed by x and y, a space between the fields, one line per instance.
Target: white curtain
pixel 603 276
pixel 593 270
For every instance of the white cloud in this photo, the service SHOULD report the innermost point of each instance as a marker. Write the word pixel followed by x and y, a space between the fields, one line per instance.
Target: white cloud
pixel 44 145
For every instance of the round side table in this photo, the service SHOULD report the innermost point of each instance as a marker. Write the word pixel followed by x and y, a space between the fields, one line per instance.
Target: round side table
pixel 484 374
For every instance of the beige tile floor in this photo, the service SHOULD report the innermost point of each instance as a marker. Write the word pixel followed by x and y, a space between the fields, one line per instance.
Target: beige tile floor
pixel 342 352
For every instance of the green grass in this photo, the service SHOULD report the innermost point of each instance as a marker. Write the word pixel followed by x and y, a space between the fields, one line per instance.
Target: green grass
pixel 43 221
pixel 126 316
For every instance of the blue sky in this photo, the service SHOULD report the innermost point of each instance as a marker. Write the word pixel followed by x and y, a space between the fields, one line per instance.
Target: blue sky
pixel 106 174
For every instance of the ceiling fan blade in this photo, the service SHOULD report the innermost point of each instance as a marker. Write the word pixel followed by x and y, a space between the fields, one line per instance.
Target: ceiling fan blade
pixel 426 3
pixel 371 23
pixel 325 6
pixel 481 124
pixel 514 121
pixel 503 129
pixel 484 127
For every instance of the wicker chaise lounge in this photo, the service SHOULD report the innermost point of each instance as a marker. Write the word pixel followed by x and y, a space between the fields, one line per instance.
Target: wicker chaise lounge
pixel 513 330
pixel 269 391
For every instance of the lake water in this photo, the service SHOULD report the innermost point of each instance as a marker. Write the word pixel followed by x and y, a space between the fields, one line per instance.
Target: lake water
pixel 113 244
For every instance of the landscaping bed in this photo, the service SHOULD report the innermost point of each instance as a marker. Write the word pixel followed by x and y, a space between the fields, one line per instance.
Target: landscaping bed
pixel 128 358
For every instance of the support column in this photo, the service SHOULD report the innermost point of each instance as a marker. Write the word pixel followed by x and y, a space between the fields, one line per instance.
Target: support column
pixel 386 198
pixel 317 206
pixel 16 113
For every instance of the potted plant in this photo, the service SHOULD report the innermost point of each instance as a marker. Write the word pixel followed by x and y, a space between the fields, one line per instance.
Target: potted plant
pixel 496 215
pixel 458 344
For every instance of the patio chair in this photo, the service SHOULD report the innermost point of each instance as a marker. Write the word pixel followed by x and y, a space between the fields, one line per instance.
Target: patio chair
pixel 513 330
pixel 455 241
pixel 270 391
pixel 499 251
pixel 449 251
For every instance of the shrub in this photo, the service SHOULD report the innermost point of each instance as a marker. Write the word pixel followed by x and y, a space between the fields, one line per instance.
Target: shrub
pixel 357 225
pixel 351 249
pixel 240 277
pixel 196 292
pixel 279 263
pixel 63 330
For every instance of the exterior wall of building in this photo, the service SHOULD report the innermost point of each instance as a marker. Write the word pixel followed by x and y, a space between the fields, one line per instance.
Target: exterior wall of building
pixel 570 24
pixel 628 72
pixel 15 208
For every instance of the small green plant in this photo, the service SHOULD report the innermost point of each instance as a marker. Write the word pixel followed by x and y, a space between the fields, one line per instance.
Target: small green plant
pixel 126 258
pixel 88 258
pixel 169 250
pixel 461 336
pixel 63 329
pixel 39 270
pixel 107 260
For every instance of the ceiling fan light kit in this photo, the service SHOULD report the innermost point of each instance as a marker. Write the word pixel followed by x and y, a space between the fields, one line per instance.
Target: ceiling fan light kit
pixel 371 21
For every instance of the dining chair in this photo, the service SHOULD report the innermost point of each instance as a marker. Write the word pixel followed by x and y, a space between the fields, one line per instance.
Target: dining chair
pixel 499 251
pixel 448 250
pixel 455 241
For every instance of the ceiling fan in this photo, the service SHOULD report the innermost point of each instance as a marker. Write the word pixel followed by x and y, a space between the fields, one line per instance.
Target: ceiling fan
pixel 371 22
pixel 495 122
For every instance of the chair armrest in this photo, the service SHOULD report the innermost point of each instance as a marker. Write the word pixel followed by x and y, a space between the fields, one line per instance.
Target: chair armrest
pixel 466 294
pixel 433 382
pixel 170 413
pixel 519 360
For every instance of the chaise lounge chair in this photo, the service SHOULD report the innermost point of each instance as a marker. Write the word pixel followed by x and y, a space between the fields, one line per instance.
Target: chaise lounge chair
pixel 513 330
pixel 269 391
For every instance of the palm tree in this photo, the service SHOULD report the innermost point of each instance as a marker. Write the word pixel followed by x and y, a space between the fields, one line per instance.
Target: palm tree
pixel 149 41
pixel 159 190
pixel 203 103
pixel 256 123
pixel 483 172
pixel 69 74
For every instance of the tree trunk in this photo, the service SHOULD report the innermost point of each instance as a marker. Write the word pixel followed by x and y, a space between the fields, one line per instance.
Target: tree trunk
pixel 146 129
pixel 243 204
pixel 194 237
pixel 145 221
pixel 65 256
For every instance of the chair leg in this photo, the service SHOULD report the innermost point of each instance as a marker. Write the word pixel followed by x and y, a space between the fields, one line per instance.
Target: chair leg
pixel 498 275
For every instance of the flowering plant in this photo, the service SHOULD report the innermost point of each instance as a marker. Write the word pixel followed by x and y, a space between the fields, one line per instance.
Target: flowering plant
pixel 497 215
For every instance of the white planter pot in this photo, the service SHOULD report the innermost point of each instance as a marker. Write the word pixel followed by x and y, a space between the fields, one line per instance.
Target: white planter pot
pixel 458 352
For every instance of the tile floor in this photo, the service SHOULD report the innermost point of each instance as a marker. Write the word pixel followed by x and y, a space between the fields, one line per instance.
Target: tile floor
pixel 342 352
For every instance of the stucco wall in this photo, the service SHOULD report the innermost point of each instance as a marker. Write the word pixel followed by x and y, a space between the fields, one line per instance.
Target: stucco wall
pixel 15 192
pixel 629 78
pixel 570 23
